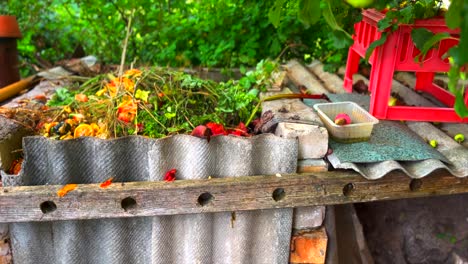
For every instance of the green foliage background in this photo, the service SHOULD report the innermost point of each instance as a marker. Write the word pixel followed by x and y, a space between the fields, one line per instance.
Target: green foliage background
pixel 208 33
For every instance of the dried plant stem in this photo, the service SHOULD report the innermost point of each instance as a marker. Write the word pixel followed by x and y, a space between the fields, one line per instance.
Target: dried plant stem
pixel 125 44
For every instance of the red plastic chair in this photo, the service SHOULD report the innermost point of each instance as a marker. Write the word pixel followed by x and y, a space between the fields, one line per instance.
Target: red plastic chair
pixel 397 54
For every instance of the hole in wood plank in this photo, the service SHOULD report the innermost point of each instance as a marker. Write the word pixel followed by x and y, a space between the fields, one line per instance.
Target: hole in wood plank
pixel 128 204
pixel 348 189
pixel 48 207
pixel 278 194
pixel 205 199
pixel 415 184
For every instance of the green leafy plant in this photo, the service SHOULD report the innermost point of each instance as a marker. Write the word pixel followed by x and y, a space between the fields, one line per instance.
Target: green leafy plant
pixel 206 33
pixel 61 97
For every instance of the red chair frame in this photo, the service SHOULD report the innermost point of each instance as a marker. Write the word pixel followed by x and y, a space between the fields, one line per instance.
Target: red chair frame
pixel 397 54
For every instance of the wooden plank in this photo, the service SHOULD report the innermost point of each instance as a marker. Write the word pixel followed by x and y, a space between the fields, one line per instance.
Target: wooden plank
pixel 120 200
pixel 299 75
pixel 331 81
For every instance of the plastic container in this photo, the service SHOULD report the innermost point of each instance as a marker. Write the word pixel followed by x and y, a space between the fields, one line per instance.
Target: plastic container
pixel 361 125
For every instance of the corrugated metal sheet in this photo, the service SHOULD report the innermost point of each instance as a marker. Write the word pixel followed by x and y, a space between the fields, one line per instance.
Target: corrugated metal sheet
pixel 456 153
pixel 261 236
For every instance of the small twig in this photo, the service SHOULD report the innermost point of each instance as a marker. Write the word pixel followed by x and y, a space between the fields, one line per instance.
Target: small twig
pixel 190 123
pixel 292 45
pixel 154 118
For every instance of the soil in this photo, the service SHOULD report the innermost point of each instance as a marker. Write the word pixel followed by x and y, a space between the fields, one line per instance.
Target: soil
pixel 423 230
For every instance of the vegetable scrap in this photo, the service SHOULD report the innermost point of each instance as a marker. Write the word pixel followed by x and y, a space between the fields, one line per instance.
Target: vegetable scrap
pixel 459 138
pixel 215 129
pixel 433 143
pixel 106 183
pixel 342 119
pixel 202 131
pixel 15 167
pixel 81 98
pixel 392 101
pixel 170 175
pixel 66 189
pixel 151 102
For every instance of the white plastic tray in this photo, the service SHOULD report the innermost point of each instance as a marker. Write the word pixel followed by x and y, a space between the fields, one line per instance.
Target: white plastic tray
pixel 361 125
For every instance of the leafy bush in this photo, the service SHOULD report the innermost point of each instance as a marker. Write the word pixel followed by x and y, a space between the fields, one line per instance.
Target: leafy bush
pixel 175 33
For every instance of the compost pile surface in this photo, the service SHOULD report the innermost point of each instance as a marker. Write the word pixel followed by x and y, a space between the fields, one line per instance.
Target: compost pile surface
pixel 152 102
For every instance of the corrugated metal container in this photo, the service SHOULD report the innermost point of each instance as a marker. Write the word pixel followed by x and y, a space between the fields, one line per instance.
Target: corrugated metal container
pixel 261 236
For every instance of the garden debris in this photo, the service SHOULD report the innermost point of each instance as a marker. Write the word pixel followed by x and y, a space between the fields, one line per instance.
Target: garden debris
pixel 360 87
pixel 170 175
pixel 260 124
pixel 66 189
pixel 106 183
pixel 15 167
pixel 202 131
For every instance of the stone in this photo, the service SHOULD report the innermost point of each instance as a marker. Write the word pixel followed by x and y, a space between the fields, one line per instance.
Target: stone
pixel 313 140
pixel 308 217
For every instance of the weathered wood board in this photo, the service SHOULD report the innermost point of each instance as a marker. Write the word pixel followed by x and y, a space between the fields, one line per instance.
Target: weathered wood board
pixel 120 200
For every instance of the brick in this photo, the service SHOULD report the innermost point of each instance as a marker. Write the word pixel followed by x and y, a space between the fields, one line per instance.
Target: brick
pixel 308 217
pixel 313 140
pixel 309 247
pixel 6 259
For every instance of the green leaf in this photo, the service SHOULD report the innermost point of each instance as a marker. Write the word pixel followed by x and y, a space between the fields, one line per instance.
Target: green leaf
pixel 143 95
pixel 169 115
pixel 274 15
pixel 330 18
pixel 429 44
pixel 340 39
pixel 463 44
pixel 61 97
pixel 253 92
pixel 384 23
pixel 359 3
pixel 309 12
pixel 406 15
pixel 242 69
pixel 460 107
pixel 454 76
pixel 453 17
pixel 375 44
pixel 420 36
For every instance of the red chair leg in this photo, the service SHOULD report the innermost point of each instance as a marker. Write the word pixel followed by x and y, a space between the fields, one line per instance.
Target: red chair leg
pixel 424 82
pixel 381 78
pixel 352 66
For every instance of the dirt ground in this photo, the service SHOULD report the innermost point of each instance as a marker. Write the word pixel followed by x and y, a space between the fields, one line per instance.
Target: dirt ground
pixel 423 230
